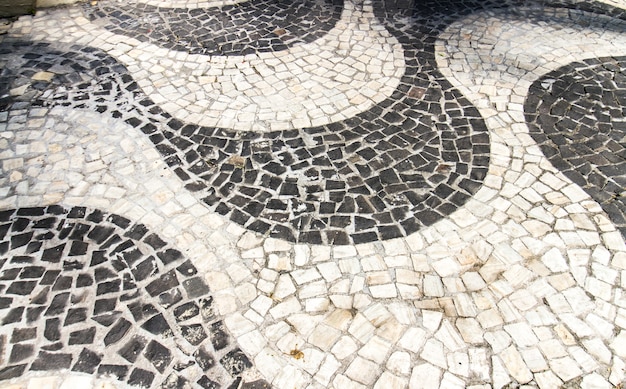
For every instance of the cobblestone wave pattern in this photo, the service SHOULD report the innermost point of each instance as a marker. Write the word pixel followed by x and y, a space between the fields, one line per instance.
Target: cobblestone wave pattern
pixel 406 163
pixel 93 293
pixel 577 115
pixel 240 29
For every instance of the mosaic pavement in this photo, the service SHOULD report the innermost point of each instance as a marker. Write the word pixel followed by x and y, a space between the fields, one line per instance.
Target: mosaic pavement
pixel 319 194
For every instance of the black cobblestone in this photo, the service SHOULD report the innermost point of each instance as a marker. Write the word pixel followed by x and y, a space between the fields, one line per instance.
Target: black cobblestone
pixel 576 115
pixel 82 318
pixel 246 28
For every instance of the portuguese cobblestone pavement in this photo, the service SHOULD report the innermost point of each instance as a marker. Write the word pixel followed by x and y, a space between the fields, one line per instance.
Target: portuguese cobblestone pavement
pixel 314 194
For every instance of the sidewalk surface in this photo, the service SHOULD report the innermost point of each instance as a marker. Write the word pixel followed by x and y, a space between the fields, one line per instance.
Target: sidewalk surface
pixel 314 194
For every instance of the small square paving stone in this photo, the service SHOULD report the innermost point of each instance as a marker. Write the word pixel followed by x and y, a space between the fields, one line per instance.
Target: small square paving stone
pixel 87 361
pixel 235 362
pixel 158 355
pixel 51 361
pixel 363 371
pixel 20 352
pixel 141 378
pixel 195 287
pixel 23 334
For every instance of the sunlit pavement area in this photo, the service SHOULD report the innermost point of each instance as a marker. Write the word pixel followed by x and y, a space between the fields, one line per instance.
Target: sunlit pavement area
pixel 314 194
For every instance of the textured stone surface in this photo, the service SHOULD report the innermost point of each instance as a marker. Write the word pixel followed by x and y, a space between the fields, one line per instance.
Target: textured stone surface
pixel 385 173
pixel 246 28
pixel 9 8
pixel 320 185
pixel 520 284
pixel 577 117
pixel 90 288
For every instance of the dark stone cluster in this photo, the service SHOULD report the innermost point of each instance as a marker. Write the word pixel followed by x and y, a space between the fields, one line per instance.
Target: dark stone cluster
pixel 239 29
pixel 74 66
pixel 93 293
pixel 577 115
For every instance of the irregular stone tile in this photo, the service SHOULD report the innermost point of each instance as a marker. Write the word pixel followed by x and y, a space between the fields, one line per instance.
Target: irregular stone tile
pixel 516 289
pixel 380 190
pixel 575 115
pixel 133 323
pixel 246 28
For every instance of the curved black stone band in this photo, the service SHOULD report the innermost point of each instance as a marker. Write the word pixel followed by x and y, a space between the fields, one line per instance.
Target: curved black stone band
pixel 240 29
pixel 440 13
pixel 577 115
pixel 405 163
pixel 93 293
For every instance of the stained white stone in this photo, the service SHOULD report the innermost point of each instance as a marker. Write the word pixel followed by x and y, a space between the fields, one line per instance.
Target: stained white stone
pixel 534 359
pixel 458 364
pixel 399 363
pixel 290 376
pixel 548 379
pixel 473 281
pixel 324 336
pixel 619 344
pixel 287 307
pixel 451 381
pixel 500 376
pixel 362 371
pixel 302 276
pixel 413 339
pixel 433 286
pixel 345 347
pixel 425 376
pixel 583 359
pixel 450 337
pixel 490 318
pixel 252 342
pixel 302 254
pixel 272 245
pixel 433 352
pixel 344 252
pixel 239 325
pixel 515 365
pixel 376 349
pixel 329 270
pixel 284 287
pixel 388 380
pixel 342 381
pixel 522 334
pixel 279 262
pixel 313 289
pixel 470 330
pixel 554 260
pixel 327 369
pixel 566 368
pixel 342 301
pixel 431 319
pixel 595 381
pixel 383 291
pixel 479 365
